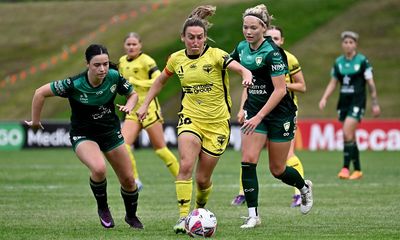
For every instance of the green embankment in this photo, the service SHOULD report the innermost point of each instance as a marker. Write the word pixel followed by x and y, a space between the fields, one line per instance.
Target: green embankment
pixel 33 32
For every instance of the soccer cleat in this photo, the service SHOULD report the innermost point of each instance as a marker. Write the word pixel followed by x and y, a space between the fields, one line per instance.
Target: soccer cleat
pixel 106 219
pixel 296 201
pixel 307 199
pixel 134 222
pixel 344 173
pixel 180 226
pixel 251 222
pixel 238 200
pixel 139 184
pixel 356 175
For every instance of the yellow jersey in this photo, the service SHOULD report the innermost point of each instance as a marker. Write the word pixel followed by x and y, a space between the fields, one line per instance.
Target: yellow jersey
pixel 141 72
pixel 205 83
pixel 294 67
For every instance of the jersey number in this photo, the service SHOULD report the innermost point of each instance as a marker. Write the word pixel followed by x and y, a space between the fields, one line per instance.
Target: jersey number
pixel 184 120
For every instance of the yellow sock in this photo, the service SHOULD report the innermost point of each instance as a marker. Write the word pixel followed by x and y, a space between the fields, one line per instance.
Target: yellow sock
pixel 202 196
pixel 134 168
pixel 241 192
pixel 296 164
pixel 169 159
pixel 184 196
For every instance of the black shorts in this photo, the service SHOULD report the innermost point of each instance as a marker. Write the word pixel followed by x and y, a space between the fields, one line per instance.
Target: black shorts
pixel 351 111
pixel 277 128
pixel 106 141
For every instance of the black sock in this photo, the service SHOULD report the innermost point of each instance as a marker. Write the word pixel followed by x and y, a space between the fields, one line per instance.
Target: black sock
pixel 292 177
pixel 250 184
pixel 356 157
pixel 347 154
pixel 130 202
pixel 99 190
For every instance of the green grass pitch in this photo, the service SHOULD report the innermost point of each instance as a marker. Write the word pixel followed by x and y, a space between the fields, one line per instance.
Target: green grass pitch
pixel 44 194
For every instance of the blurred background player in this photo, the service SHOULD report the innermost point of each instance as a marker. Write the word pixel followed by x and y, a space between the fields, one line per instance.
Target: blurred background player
pixel 353 71
pixel 95 128
pixel 269 113
pixel 295 83
pixel 141 70
pixel 203 127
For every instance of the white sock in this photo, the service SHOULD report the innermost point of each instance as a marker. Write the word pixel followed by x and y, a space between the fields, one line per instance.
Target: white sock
pixel 253 212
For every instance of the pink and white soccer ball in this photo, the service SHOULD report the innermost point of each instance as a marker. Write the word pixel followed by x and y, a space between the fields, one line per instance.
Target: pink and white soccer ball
pixel 201 223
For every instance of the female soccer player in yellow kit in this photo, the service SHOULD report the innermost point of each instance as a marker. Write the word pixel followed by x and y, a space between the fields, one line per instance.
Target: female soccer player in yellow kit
pixel 141 71
pixel 203 128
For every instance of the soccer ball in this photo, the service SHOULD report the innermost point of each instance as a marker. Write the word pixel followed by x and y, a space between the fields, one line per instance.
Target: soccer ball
pixel 201 223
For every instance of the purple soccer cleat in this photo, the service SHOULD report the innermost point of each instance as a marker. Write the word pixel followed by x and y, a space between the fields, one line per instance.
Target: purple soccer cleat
pixel 238 200
pixel 106 218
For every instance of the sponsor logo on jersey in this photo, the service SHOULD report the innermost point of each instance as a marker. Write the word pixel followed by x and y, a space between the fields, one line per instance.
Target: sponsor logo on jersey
pixel 83 98
pixel 203 88
pixel 58 86
pixel 258 90
pixel 278 67
pixel 102 111
pixel 126 85
pixel 346 80
pixel 187 89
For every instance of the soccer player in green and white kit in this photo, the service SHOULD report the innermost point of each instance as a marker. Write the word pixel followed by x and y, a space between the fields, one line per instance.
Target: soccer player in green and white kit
pixel 95 128
pixel 269 113
pixel 352 70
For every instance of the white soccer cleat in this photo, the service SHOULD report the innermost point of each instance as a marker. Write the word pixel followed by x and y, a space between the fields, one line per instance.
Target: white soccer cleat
pixel 251 222
pixel 307 199
pixel 180 226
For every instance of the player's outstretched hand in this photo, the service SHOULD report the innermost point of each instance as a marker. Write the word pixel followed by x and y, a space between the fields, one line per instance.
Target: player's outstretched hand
pixel 34 126
pixel 124 108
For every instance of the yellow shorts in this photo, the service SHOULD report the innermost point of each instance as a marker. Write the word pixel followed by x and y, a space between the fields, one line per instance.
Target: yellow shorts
pixel 153 116
pixel 214 136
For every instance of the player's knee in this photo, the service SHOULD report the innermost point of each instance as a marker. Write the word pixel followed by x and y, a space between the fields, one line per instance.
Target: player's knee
pixel 348 137
pixel 99 171
pixel 185 168
pixel 276 171
pixel 202 181
pixel 249 159
pixel 128 183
